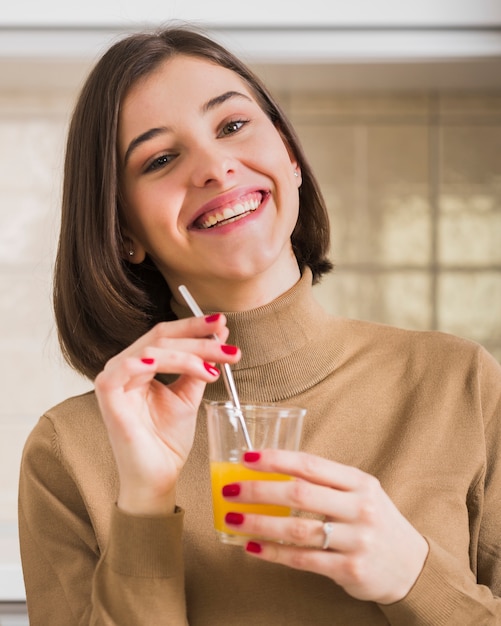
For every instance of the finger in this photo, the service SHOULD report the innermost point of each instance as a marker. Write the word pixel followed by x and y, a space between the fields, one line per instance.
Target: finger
pixel 179 356
pixel 170 356
pixel 128 373
pixel 295 530
pixel 346 569
pixel 191 327
pixel 308 467
pixel 207 349
pixel 325 562
pixel 299 495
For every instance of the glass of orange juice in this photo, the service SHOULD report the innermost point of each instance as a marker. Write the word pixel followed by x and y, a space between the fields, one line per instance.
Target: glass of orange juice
pixel 268 426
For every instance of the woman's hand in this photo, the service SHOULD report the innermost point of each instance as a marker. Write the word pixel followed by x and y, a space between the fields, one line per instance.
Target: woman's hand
pixel 373 552
pixel 151 425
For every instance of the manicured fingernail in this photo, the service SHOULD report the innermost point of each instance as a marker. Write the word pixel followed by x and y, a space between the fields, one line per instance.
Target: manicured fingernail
pixel 212 318
pixel 147 361
pixel 252 457
pixel 227 349
pixel 254 547
pixel 231 490
pixel 234 518
pixel 211 369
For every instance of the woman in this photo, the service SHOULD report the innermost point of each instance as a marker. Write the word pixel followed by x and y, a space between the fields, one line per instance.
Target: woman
pixel 181 168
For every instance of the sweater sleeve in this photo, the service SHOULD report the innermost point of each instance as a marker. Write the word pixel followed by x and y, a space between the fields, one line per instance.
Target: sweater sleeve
pixel 138 578
pixel 445 594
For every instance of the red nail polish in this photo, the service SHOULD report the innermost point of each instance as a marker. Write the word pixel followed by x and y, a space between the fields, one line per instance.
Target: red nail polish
pixel 227 349
pixel 252 457
pixel 211 369
pixel 212 318
pixel 254 547
pixel 234 518
pixel 231 490
pixel 147 361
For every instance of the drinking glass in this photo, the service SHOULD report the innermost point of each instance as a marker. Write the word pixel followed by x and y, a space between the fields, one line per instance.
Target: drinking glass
pixel 268 426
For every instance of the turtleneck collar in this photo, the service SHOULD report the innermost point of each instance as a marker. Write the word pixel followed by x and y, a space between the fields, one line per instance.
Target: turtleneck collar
pixel 283 345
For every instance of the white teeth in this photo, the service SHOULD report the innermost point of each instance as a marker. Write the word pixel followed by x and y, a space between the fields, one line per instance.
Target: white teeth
pixel 230 212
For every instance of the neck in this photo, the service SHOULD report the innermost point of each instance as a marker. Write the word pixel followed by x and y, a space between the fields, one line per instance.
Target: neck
pixel 288 345
pixel 238 294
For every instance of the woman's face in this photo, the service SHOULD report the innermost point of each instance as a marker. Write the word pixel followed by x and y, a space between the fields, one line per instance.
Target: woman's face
pixel 210 188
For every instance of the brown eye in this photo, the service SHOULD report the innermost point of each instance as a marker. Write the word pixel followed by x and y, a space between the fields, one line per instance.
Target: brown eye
pixel 160 162
pixel 233 127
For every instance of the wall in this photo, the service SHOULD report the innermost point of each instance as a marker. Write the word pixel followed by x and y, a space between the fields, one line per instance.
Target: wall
pixel 32 127
pixel 413 184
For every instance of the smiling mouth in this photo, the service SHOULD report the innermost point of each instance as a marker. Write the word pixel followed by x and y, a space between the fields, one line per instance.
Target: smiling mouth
pixel 231 212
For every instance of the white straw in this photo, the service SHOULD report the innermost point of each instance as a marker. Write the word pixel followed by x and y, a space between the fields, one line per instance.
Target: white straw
pixel 227 374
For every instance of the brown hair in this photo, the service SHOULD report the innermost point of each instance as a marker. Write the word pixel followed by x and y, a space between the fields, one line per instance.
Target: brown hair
pixel 103 303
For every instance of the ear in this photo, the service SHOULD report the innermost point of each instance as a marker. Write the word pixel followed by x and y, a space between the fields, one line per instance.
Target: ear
pixel 296 172
pixel 132 250
pixel 295 168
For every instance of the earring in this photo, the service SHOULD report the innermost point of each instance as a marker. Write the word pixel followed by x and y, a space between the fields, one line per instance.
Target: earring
pixel 296 174
pixel 131 252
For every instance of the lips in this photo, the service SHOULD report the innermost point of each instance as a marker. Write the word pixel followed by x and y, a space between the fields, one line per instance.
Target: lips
pixel 230 211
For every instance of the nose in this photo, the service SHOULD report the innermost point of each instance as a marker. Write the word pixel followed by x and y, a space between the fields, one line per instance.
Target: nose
pixel 212 165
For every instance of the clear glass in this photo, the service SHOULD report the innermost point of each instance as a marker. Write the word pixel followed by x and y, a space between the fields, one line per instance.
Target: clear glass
pixel 269 426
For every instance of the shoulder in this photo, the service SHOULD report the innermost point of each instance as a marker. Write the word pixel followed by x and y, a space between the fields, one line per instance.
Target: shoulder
pixel 74 424
pixel 376 331
pixel 74 407
pixel 77 416
pixel 431 348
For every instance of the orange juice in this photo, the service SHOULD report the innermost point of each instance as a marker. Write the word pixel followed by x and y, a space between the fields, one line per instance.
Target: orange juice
pixel 226 472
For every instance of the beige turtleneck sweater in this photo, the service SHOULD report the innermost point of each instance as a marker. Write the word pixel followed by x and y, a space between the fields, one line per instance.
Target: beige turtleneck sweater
pixel 420 410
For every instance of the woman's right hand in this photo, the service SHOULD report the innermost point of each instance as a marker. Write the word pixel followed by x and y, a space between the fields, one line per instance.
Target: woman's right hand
pixel 150 425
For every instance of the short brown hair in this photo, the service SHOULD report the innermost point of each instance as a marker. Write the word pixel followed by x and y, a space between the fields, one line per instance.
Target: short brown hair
pixel 103 303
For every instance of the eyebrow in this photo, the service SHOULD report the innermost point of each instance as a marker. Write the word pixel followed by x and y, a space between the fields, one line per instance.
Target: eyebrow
pixel 154 132
pixel 214 102
pixel 137 141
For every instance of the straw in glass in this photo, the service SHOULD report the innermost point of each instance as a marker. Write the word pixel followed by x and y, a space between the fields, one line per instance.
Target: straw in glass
pixel 229 382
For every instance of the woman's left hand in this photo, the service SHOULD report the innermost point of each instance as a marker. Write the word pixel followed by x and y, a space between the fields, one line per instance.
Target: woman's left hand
pixel 373 552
